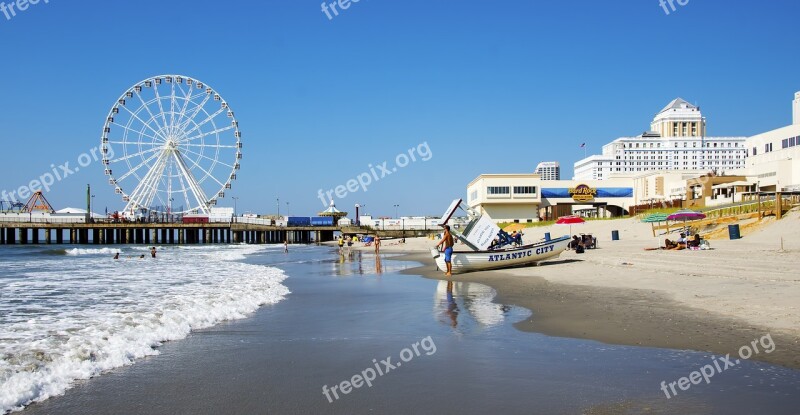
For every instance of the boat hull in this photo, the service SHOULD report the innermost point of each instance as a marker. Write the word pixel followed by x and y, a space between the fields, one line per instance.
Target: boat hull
pixel 467 261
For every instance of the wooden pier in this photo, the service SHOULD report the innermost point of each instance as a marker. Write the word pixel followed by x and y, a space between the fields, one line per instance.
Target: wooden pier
pixel 159 233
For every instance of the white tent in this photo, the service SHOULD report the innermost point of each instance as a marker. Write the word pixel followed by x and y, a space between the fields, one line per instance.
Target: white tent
pixel 76 211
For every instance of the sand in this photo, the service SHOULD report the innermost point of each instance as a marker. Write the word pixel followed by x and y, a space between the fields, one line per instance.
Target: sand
pixel 716 300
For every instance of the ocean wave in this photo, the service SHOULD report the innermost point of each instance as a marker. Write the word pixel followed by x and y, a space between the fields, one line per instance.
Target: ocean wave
pixel 91 251
pixel 88 316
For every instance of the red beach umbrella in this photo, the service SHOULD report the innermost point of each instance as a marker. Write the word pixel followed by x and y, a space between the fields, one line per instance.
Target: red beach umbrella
pixel 570 220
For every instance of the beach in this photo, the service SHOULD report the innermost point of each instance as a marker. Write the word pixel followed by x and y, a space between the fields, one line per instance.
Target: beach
pixel 610 331
pixel 716 300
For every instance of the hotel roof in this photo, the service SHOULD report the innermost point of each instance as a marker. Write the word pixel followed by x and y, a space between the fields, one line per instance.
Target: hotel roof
pixel 678 103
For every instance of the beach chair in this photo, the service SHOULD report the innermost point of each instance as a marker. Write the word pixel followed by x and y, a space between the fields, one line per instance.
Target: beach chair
pixel 505 239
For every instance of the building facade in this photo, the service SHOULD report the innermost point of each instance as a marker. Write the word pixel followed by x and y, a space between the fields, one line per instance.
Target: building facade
pixel 549 170
pixel 677 142
pixel 506 197
pixel 773 159
pixel 526 198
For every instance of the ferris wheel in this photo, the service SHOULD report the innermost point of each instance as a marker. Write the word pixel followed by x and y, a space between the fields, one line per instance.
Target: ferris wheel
pixel 171 144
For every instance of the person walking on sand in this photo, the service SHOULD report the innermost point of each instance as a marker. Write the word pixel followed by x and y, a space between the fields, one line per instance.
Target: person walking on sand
pixel 285 246
pixel 377 244
pixel 447 243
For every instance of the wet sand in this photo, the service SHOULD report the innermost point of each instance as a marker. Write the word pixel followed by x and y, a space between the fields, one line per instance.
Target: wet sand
pixel 632 317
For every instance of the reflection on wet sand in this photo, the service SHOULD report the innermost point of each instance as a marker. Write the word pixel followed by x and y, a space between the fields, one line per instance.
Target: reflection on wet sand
pixel 476 299
pixel 361 263
pixel 452 307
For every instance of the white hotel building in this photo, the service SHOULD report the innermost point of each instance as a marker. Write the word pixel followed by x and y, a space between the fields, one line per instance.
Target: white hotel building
pixel 676 141
pixel 549 170
pixel 773 161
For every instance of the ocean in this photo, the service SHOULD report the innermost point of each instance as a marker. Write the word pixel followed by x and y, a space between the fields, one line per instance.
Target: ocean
pixel 71 313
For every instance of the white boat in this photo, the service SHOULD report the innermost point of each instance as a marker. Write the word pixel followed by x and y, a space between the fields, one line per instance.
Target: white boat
pixel 526 255
pixel 482 233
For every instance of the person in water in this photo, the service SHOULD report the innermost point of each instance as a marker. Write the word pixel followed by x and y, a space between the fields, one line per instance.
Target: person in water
pixel 153 252
pixel 116 256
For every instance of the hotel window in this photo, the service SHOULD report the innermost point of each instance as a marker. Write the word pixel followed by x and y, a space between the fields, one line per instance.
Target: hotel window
pixel 785 143
pixel 792 141
pixel 498 190
pixel 694 129
pixel 525 190
pixel 755 151
pixel 473 195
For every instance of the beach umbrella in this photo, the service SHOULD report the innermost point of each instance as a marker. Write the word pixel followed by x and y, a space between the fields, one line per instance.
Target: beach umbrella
pixel 686 214
pixel 570 220
pixel 654 218
pixel 514 227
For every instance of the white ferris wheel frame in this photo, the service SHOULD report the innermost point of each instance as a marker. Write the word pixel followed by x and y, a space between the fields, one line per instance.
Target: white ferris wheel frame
pixel 163 145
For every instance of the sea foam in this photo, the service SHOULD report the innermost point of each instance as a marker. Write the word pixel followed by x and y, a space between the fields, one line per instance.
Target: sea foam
pixel 74 318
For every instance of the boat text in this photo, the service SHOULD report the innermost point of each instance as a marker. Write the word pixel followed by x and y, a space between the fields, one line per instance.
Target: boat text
pixel 520 255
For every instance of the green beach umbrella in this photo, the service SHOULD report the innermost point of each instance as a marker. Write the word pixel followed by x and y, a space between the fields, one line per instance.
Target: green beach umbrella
pixel 653 218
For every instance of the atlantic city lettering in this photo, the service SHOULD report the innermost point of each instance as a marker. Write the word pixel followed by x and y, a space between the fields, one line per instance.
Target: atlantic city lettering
pixel 523 254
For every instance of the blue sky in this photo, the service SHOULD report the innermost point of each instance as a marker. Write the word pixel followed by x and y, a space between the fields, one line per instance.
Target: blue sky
pixel 491 87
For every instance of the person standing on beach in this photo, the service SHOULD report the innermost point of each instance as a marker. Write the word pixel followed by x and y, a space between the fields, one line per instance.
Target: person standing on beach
pixel 341 245
pixel 447 243
pixel 285 246
pixel 377 243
